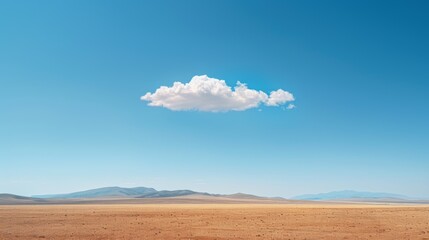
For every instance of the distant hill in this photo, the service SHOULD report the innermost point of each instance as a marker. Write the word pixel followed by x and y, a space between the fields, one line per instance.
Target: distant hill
pixel 348 194
pixel 137 195
pixel 12 196
pixel 142 192
pixel 166 193
pixel 6 198
pixel 244 196
pixel 104 192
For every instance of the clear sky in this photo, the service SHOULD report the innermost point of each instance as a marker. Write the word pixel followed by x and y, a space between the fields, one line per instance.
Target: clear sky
pixel 72 74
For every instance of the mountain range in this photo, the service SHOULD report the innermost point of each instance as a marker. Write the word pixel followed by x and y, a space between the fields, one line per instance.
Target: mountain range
pixel 112 195
pixel 150 195
pixel 349 194
pixel 103 192
pixel 118 192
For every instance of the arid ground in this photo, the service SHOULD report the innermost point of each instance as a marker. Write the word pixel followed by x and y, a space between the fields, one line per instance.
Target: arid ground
pixel 214 221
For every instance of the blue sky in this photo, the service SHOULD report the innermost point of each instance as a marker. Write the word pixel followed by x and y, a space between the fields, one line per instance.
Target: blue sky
pixel 72 74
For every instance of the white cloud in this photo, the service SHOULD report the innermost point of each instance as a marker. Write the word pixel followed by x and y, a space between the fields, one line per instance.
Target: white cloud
pixel 279 97
pixel 203 93
pixel 291 106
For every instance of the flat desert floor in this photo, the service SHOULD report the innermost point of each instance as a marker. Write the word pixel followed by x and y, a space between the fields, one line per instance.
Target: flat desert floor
pixel 214 221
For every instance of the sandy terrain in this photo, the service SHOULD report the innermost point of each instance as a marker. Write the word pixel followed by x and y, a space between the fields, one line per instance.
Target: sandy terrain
pixel 214 221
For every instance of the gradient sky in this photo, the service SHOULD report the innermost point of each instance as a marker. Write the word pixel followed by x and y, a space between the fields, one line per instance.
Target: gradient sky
pixel 72 74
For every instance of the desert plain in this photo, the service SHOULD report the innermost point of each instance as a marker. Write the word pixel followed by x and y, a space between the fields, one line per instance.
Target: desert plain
pixel 214 221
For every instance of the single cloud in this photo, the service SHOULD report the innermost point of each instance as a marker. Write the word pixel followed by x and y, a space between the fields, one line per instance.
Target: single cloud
pixel 207 94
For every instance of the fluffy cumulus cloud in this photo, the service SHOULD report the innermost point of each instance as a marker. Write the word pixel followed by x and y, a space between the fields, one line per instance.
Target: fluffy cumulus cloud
pixel 203 93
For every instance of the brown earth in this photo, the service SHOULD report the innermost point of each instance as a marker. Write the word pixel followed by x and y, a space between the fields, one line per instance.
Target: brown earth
pixel 214 221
